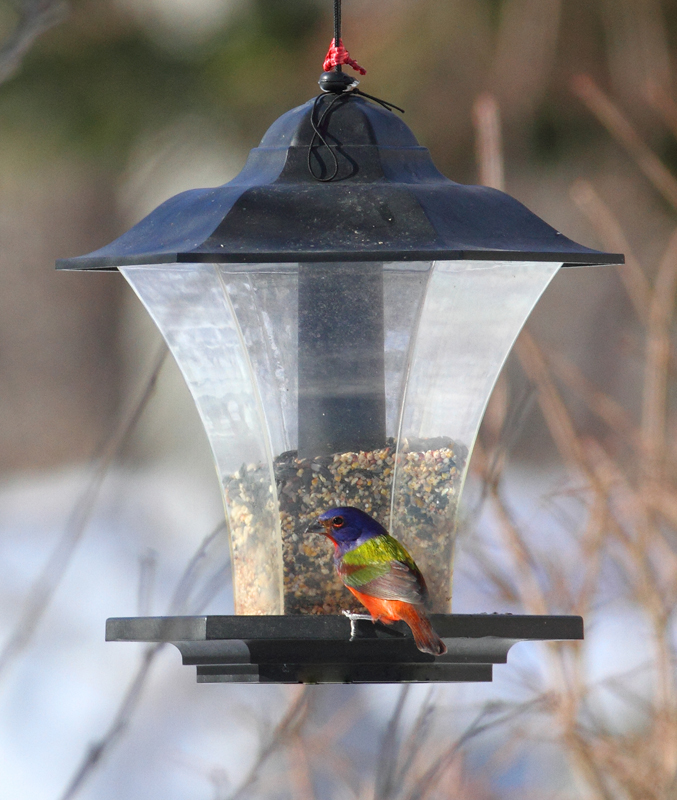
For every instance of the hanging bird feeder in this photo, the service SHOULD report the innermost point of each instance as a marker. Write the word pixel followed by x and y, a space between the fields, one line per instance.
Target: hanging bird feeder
pixel 340 312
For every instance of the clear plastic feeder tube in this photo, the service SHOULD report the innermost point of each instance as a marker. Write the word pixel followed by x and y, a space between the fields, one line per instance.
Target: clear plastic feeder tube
pixel 472 313
pixel 193 310
pixel 329 384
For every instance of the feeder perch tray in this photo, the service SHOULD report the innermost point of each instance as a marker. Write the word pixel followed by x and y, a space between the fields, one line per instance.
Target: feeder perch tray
pixel 319 649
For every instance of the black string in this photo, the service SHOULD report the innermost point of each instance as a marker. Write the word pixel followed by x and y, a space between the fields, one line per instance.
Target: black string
pixel 317 134
pixel 337 30
pixel 317 125
pixel 337 26
pixel 388 106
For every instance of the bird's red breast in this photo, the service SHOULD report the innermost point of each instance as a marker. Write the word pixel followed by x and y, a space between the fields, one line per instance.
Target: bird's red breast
pixel 393 610
pixel 385 610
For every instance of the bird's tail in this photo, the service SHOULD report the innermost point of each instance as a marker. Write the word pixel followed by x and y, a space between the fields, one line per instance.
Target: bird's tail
pixel 425 637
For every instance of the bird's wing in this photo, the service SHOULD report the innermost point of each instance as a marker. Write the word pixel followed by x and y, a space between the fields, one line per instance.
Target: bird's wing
pixel 382 568
pixel 399 583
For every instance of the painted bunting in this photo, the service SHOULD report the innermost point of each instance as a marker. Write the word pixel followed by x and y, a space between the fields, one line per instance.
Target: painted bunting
pixel 377 569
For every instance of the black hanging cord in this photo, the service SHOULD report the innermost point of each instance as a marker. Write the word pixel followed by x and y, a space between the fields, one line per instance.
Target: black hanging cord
pixel 337 27
pixel 317 134
pixel 387 105
pixel 317 129
pixel 340 88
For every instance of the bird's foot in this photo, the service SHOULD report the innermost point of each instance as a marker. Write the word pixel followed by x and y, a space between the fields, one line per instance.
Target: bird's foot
pixel 354 618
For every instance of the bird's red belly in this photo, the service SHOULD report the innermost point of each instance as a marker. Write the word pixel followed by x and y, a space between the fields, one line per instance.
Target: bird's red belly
pixel 385 610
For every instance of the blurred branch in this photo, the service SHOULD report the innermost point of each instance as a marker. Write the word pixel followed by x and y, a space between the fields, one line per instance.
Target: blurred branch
pixel 521 74
pixel 664 104
pixel 301 772
pixel 488 141
pixel 610 231
pixel 411 764
pixel 538 582
pixel 325 739
pixel 47 583
pixel 604 407
pixel 128 706
pixel 658 338
pixel 415 743
pixel 491 716
pixel 387 760
pixel 531 595
pixel 552 406
pixel 283 734
pixel 624 132
pixel 132 697
pixel 35 18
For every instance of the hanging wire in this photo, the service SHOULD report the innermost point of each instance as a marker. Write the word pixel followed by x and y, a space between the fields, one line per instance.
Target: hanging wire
pixel 336 56
pixel 317 134
pixel 385 103
pixel 337 27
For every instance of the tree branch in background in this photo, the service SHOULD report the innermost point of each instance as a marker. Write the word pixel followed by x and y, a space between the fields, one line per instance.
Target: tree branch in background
pixel 47 583
pixel 94 755
pixel 179 604
pixel 387 762
pixel 35 18
pixel 611 233
pixel 622 130
pixel 488 141
pixel 657 362
pixel 664 104
pixel 284 734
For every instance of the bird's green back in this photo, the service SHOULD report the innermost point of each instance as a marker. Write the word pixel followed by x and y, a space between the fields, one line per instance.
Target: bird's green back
pixel 379 550
pixel 381 567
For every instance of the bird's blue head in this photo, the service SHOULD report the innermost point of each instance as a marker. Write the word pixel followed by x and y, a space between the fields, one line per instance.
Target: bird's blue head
pixel 347 527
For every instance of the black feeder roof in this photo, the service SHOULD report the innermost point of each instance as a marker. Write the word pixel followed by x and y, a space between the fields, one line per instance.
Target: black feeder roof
pixel 388 202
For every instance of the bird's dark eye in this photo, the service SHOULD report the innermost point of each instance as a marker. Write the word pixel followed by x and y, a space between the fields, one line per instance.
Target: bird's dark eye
pixel 338 522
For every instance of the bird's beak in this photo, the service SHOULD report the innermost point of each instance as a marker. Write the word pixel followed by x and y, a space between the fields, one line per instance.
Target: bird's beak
pixel 316 526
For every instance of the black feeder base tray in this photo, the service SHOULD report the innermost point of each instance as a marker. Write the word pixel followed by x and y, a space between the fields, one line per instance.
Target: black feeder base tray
pixel 319 649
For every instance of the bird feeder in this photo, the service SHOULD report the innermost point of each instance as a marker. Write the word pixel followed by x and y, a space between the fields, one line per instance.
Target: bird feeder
pixel 340 312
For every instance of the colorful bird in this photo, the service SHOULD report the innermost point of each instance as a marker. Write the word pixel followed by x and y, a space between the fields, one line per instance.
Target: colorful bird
pixel 377 569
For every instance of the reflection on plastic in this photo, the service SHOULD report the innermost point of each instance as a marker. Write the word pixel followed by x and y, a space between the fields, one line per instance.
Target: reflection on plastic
pixel 384 374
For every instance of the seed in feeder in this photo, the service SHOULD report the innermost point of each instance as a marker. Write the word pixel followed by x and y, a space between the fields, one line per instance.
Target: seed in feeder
pixel 424 510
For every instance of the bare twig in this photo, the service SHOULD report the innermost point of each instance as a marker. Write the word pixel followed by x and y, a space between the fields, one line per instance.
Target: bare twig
pixel 35 18
pixel 623 131
pixel 488 144
pixel 301 771
pixel 491 716
pixel 664 104
pixel 415 743
pixel 387 762
pixel 132 697
pixel 325 738
pixel 552 406
pixel 530 592
pixel 602 405
pixel 45 586
pixel 180 601
pixel 610 231
pixel 538 582
pixel 284 733
pixel 119 725
pixel 654 409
